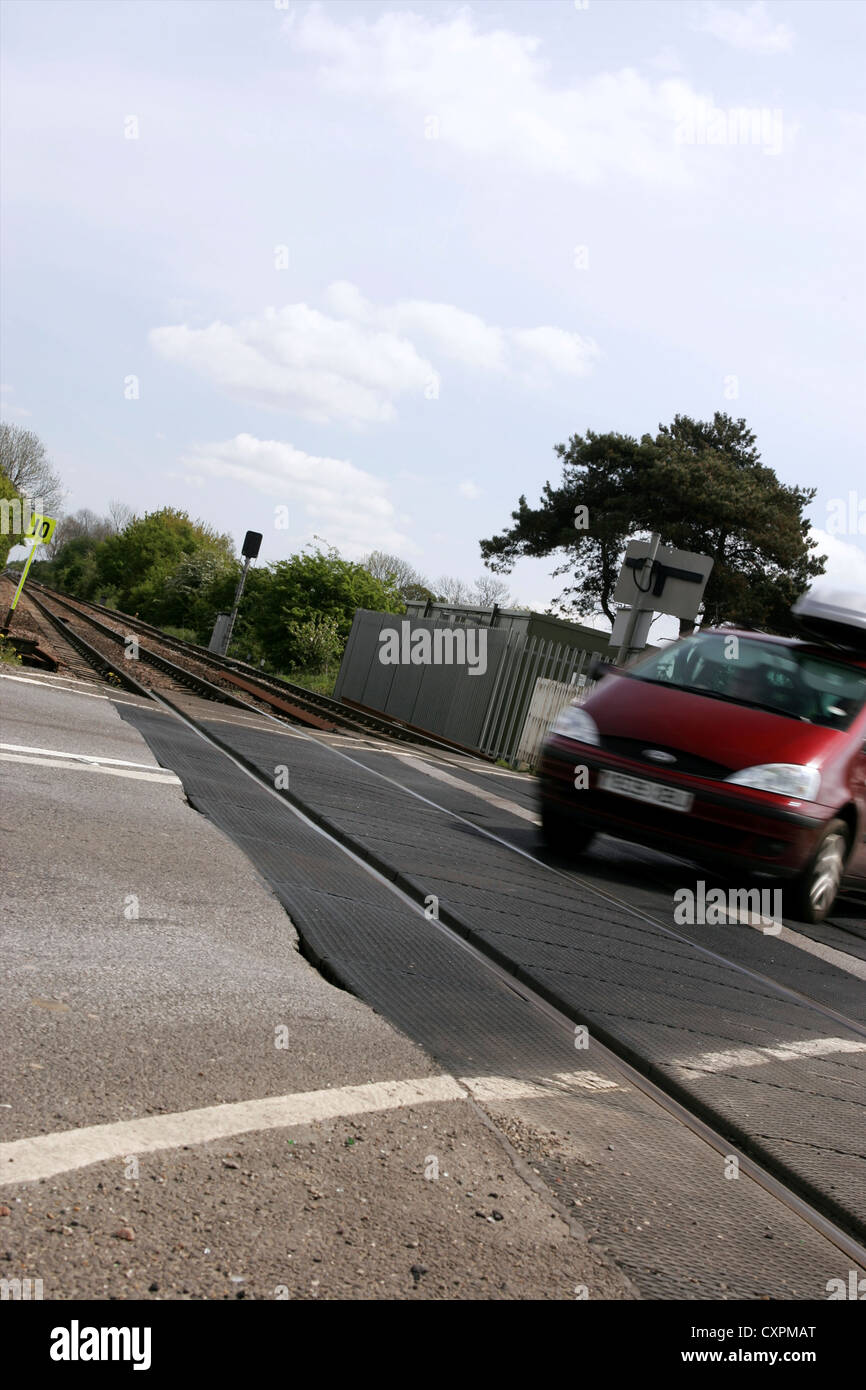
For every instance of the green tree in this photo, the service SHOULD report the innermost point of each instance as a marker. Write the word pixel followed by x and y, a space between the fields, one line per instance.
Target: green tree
pixel 702 487
pixel 139 562
pixel 314 584
pixel 198 587
pixel 74 570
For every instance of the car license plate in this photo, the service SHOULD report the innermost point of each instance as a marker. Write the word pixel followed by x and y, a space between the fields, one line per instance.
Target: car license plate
pixel 639 790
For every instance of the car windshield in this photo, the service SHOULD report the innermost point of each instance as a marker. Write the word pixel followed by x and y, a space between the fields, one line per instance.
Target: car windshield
pixel 764 675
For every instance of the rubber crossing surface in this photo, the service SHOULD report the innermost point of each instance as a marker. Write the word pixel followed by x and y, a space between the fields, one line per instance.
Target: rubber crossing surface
pixel 655 997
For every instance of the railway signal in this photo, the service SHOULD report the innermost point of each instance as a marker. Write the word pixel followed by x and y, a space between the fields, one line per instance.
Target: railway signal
pixel 222 632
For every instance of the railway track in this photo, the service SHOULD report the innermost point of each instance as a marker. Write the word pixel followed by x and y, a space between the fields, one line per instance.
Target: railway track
pixel 33 623
pixel 282 697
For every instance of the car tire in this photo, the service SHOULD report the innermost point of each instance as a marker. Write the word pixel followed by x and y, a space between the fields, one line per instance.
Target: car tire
pixel 562 834
pixel 810 896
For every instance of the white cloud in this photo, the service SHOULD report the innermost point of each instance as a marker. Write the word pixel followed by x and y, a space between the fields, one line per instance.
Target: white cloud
pixel 469 489
pixel 460 335
pixel 299 359
pixel 326 495
pixel 846 564
pixel 354 367
pixel 567 354
pixel 490 94
pixel 466 338
pixel 750 29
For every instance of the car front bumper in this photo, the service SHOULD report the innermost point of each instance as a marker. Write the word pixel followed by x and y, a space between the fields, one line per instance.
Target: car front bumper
pixel 725 825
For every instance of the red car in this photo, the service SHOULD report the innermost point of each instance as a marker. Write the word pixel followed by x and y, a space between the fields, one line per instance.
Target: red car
pixel 733 748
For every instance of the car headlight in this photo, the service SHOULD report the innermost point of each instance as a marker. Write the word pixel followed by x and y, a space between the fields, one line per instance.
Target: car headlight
pixel 573 722
pixel 785 779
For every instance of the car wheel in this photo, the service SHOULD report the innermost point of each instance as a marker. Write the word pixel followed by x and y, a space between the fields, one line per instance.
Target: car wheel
pixel 562 834
pixel 811 896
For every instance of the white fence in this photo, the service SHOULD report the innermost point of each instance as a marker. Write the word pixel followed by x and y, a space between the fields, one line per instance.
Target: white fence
pixel 548 698
pixel 534 681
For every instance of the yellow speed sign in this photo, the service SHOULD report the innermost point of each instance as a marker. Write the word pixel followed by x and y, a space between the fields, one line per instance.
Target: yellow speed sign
pixel 41 528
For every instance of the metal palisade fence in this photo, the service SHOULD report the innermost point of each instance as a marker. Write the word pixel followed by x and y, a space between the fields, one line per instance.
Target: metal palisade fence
pixel 534 680
pixel 503 708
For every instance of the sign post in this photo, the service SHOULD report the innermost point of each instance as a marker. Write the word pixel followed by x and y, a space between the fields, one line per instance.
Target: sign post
pixel 251 545
pixel 39 532
pixel 657 579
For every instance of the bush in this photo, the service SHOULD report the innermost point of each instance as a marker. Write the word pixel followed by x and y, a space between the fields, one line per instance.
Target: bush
pixel 183 634
pixel 317 643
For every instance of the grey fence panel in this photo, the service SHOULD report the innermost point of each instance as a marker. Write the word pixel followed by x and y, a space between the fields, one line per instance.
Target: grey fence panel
pixel 379 683
pixel 501 686
pixel 366 680
pixel 406 683
pixel 434 702
pixel 523 686
pixel 353 667
pixel 472 694
pixel 453 701
pixel 487 710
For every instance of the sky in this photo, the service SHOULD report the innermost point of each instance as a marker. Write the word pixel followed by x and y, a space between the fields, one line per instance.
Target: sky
pixel 352 270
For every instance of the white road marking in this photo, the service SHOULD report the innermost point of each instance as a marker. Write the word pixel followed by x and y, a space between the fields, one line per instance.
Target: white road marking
pixel 841 959
pixel 157 775
pixel 494 1088
pixel 490 797
pixel 54 685
pixel 481 769
pixel 83 757
pixel 55 677
pixel 46 1155
pixel 759 1056
pixel 29 1160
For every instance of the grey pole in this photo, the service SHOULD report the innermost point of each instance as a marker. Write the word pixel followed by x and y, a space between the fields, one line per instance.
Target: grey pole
pixel 635 611
pixel 227 636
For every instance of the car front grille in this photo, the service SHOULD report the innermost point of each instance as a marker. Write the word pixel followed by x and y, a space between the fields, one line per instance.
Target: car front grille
pixel 689 763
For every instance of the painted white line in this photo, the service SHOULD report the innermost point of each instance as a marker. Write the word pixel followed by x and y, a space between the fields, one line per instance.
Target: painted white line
pixel 479 769
pixel 840 959
pixel 82 757
pixel 497 1088
pixel 29 1160
pixel 498 801
pixel 55 677
pixel 54 685
pixel 759 1056
pixel 771 926
pixel 158 775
